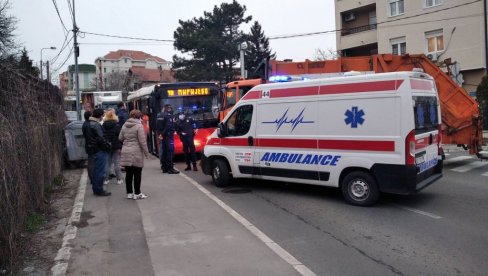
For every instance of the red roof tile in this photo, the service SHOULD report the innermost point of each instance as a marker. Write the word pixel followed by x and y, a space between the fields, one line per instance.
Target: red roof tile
pixel 146 75
pixel 135 55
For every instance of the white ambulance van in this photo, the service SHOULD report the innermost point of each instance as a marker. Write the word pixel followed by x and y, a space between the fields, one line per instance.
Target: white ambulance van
pixel 365 134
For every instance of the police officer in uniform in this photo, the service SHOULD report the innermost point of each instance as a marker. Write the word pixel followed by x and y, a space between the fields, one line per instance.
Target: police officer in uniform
pixel 186 127
pixel 166 129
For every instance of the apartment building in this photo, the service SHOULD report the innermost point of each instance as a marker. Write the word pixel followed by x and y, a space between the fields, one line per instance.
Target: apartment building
pixel 440 29
pixel 136 67
pixel 86 76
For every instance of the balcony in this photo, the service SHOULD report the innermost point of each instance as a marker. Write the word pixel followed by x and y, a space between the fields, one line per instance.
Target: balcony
pixel 354 30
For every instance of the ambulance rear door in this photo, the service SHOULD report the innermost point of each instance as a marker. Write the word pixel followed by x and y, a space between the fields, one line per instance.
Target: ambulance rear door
pixel 427 121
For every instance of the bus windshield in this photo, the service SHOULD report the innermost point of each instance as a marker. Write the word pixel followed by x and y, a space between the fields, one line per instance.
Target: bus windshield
pixel 200 103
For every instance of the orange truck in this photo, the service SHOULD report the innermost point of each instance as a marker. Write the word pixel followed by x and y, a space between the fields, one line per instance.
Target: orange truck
pixel 461 117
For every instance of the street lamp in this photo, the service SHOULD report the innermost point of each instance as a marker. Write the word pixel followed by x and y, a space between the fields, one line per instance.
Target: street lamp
pixel 49 48
pixel 242 48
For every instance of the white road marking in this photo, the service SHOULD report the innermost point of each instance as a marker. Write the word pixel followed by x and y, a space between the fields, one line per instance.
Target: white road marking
pixel 470 166
pixel 485 174
pixel 64 253
pixel 420 212
pixel 282 253
pixel 456 159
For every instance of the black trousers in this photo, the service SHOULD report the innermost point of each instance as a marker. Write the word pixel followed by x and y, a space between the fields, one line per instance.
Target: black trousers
pixel 130 174
pixel 189 149
pixel 168 147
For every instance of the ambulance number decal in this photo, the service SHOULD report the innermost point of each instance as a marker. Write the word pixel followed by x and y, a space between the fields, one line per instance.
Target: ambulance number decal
pixel 243 157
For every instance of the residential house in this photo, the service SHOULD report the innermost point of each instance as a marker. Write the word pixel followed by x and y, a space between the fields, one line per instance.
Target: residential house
pixel 131 70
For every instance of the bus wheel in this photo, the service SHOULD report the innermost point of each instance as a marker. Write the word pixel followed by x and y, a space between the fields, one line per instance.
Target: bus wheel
pixel 220 173
pixel 359 188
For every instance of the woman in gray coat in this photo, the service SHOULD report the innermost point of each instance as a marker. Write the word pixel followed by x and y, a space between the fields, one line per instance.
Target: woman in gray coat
pixel 134 149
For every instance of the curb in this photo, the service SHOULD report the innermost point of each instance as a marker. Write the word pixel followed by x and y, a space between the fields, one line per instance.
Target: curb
pixel 64 253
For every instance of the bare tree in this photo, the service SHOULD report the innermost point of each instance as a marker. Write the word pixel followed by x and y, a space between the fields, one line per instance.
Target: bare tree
pixel 7 28
pixel 328 54
pixel 117 81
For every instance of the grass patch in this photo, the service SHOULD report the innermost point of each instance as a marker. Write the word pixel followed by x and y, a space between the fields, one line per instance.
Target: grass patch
pixel 34 221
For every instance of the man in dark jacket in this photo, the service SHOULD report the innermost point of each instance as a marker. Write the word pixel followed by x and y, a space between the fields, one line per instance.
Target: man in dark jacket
pixel 186 127
pixel 85 128
pixel 122 113
pixel 165 126
pixel 97 147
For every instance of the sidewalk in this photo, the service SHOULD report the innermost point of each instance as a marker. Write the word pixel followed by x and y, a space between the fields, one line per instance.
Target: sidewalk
pixel 178 230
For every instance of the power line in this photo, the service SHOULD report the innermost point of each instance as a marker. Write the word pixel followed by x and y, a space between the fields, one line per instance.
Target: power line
pixel 128 37
pixel 65 44
pixel 128 43
pixel 59 15
pixel 69 55
pixel 309 33
pixel 380 23
pixel 70 9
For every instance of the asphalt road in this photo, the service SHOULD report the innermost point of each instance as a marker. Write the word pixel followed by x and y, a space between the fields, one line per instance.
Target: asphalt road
pixel 443 230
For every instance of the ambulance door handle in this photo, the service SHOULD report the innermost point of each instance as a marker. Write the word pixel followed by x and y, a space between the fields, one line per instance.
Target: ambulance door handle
pixel 250 141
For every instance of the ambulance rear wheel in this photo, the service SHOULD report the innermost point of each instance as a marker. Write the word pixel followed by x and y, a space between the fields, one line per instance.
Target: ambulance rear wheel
pixel 220 173
pixel 360 188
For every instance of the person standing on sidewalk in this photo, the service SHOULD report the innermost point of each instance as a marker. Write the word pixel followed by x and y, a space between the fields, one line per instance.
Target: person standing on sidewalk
pixel 85 128
pixel 122 113
pixel 111 130
pixel 166 130
pixel 134 149
pixel 186 127
pixel 97 147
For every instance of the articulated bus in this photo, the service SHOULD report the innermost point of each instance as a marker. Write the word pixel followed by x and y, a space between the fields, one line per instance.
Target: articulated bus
pixel 198 100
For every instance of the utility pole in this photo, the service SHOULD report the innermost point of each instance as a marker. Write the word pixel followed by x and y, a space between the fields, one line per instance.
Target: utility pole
pixel 47 70
pixel 486 35
pixel 77 53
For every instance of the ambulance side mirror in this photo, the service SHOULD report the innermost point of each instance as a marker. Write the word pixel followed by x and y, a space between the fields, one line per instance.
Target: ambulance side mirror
pixel 221 130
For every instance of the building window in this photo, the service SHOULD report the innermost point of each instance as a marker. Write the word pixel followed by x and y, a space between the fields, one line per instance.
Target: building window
pixel 434 41
pixel 398 45
pixel 432 3
pixel 105 70
pixel 396 7
pixel 125 60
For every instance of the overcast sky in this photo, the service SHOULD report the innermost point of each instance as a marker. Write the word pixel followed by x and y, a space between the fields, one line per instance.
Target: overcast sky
pixel 39 26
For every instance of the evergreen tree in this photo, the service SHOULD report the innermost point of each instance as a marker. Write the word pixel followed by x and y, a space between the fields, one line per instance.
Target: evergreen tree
pixel 257 51
pixel 482 98
pixel 25 65
pixel 211 44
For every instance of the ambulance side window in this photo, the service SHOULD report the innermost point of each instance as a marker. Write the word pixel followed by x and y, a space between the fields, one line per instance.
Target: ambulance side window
pixel 239 122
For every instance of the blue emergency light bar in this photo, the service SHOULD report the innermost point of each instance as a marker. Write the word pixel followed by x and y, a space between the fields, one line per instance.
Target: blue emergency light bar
pixel 280 78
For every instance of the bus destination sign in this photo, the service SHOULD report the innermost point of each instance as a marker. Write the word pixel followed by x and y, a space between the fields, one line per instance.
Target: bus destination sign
pixel 183 92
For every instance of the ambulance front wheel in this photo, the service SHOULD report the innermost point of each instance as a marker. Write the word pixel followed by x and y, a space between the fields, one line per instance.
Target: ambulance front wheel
pixel 220 173
pixel 360 188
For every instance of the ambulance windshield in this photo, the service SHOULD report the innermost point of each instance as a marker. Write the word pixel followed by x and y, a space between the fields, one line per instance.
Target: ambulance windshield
pixel 425 111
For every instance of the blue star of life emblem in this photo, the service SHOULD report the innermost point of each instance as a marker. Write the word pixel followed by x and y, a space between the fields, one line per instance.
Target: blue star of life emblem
pixel 354 117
